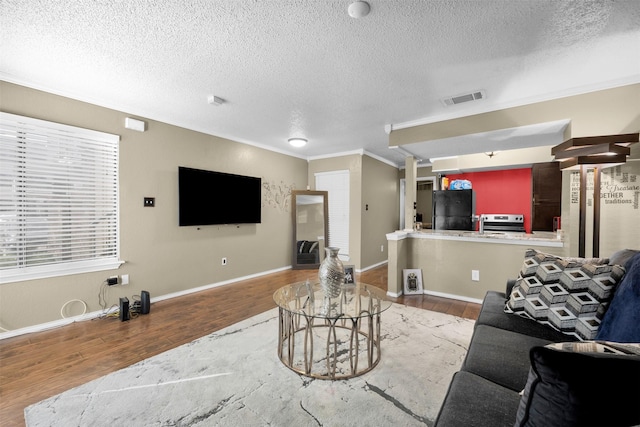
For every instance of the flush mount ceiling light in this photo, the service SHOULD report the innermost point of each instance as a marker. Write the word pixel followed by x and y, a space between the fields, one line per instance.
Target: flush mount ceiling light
pixel 359 9
pixel 298 142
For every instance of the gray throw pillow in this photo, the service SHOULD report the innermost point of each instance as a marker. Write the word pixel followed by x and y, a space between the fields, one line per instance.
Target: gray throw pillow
pixel 581 384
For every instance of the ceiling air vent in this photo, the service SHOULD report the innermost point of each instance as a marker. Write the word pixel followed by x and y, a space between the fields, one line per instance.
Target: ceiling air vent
pixel 467 97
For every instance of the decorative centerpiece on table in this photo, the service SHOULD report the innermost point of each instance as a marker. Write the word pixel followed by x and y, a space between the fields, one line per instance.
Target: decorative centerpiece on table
pixel 331 276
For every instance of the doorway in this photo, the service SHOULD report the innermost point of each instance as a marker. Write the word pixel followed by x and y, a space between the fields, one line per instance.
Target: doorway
pixel 424 199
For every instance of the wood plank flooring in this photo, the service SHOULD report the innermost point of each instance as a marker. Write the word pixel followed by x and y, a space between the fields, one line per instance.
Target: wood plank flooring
pixel 39 365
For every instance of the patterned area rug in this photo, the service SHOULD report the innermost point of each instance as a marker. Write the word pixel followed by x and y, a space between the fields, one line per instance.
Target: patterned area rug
pixel 234 377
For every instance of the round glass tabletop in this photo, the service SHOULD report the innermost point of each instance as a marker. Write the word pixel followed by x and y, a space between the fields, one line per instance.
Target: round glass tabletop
pixel 354 301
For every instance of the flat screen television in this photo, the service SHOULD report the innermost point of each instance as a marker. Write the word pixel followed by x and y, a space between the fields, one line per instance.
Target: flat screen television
pixel 208 197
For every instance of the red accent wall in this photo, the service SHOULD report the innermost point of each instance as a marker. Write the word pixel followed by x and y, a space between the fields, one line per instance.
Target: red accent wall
pixel 504 191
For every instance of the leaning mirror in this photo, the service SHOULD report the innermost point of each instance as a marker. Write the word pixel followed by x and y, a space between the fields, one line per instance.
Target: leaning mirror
pixel 310 231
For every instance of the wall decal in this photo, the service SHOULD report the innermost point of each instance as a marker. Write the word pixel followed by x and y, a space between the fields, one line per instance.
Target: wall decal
pixel 277 196
pixel 619 207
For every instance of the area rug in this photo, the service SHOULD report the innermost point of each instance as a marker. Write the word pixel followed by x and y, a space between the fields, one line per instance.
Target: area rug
pixel 233 377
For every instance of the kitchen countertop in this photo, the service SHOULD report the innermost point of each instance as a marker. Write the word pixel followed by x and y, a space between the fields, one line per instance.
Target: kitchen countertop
pixel 538 238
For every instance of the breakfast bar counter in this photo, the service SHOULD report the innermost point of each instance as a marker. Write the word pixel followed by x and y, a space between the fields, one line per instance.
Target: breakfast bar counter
pixel 449 259
pixel 539 238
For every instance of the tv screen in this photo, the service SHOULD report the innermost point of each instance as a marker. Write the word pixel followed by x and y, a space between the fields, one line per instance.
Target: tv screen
pixel 208 197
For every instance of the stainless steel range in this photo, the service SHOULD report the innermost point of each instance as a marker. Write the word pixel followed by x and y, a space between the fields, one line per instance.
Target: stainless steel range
pixel 503 222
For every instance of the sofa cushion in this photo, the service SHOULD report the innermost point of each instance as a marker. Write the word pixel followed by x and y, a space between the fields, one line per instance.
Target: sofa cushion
pixel 474 401
pixel 500 356
pixel 622 321
pixel 574 386
pixel 568 294
pixel 492 314
pixel 622 257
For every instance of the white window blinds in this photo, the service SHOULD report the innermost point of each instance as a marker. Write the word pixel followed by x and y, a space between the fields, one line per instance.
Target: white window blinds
pixel 58 199
pixel 337 184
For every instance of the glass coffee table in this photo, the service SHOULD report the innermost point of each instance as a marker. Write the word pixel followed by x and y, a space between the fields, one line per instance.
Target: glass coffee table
pixel 329 338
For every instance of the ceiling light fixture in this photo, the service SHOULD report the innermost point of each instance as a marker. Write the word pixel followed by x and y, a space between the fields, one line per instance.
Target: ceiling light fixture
pixel 359 9
pixel 609 150
pixel 298 142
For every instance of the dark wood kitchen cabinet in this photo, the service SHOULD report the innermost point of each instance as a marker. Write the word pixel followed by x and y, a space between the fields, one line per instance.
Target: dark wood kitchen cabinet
pixel 547 195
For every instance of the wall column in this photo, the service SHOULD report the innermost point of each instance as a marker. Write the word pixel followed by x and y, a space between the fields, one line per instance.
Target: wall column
pixel 410 190
pixel 397 252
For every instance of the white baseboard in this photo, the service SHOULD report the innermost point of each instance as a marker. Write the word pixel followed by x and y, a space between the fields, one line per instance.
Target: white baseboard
pixel 373 266
pixel 442 295
pixel 215 285
pixel 451 296
pixel 50 325
pixel 88 316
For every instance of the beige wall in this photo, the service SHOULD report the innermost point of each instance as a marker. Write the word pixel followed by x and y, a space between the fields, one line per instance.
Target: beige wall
pixel 446 264
pixel 376 184
pixel 352 163
pixel 380 192
pixel 160 256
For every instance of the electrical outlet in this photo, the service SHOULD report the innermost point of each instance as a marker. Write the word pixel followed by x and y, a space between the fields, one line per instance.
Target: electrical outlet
pixel 124 279
pixel 475 275
pixel 381 248
pixel 224 261
pixel 113 280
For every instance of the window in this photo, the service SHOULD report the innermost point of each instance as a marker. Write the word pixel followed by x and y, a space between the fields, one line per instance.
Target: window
pixel 58 199
pixel 337 184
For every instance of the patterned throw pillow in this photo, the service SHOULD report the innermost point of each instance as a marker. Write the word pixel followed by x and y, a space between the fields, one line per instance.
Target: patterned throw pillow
pixel 568 294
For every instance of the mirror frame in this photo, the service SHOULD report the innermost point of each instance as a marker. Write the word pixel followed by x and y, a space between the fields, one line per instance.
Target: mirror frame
pixel 294 216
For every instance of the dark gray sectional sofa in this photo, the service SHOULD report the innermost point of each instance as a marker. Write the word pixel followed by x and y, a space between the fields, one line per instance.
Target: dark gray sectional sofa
pixel 507 350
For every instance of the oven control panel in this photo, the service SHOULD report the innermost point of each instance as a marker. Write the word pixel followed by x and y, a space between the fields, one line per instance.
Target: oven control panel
pixel 511 218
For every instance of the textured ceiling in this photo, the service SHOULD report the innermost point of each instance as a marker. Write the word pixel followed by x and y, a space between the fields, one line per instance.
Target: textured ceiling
pixel 305 68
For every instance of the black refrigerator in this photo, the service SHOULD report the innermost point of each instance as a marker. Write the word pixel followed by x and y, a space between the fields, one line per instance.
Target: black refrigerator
pixel 454 210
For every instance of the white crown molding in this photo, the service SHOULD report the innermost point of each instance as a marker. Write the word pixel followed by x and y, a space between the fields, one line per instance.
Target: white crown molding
pixel 142 114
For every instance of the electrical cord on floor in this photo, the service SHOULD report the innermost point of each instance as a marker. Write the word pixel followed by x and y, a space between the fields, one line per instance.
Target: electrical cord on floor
pixel 114 310
pixel 84 311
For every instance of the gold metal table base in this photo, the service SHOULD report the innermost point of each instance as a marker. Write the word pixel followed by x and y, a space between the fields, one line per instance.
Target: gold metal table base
pixel 341 342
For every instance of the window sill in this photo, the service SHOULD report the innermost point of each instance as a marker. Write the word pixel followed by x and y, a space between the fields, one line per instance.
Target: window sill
pixel 49 271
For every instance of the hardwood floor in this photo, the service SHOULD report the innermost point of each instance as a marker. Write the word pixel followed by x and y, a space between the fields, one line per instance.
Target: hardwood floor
pixel 39 365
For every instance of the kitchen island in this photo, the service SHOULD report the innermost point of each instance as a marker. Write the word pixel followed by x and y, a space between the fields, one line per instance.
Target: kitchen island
pixel 447 259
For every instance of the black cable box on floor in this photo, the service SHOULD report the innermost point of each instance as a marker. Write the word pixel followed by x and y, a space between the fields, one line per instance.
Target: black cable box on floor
pixel 124 309
pixel 145 302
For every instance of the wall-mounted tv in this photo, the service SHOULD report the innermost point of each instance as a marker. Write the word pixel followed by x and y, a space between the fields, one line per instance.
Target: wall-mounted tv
pixel 208 197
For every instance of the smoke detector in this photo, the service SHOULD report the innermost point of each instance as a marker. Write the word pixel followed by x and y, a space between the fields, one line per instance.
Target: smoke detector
pixel 465 97
pixel 215 100
pixel 359 9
